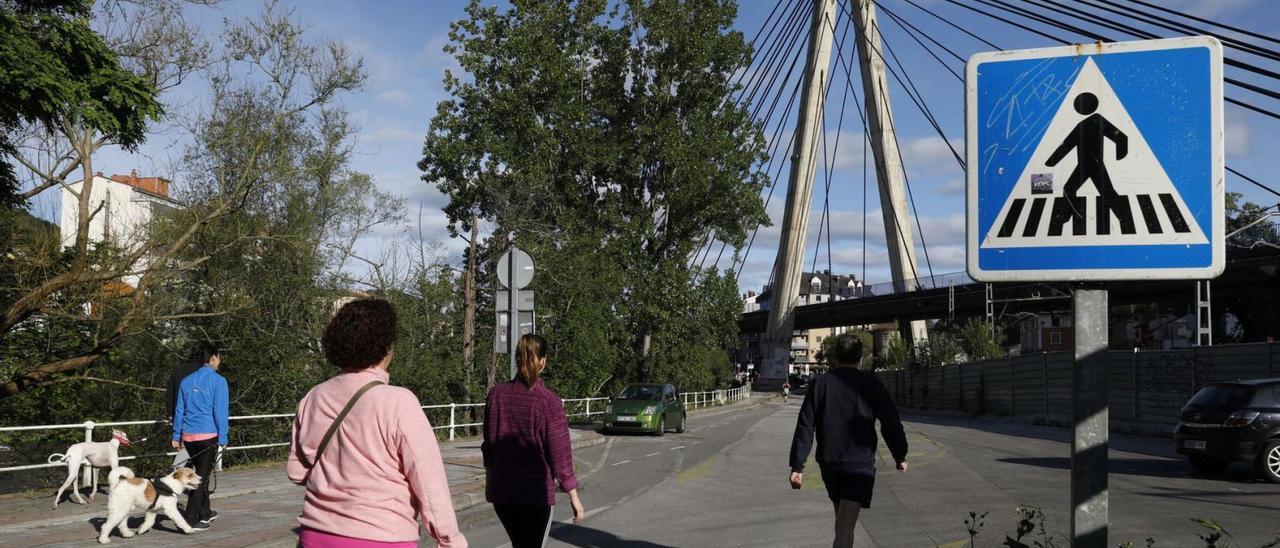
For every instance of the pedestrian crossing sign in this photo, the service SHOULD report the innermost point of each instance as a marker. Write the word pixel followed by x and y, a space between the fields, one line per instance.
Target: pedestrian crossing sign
pixel 1096 162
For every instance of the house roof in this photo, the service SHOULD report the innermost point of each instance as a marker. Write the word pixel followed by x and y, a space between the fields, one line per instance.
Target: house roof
pixel 825 280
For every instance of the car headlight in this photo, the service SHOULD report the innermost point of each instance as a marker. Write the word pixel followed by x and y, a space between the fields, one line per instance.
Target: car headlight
pixel 608 409
pixel 652 409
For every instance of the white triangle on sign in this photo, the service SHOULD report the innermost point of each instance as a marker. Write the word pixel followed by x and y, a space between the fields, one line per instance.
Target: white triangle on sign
pixel 1148 211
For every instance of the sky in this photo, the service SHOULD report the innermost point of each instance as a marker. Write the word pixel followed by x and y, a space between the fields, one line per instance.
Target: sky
pixel 401 40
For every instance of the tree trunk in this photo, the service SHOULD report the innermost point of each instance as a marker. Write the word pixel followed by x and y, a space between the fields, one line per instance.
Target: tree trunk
pixel 469 313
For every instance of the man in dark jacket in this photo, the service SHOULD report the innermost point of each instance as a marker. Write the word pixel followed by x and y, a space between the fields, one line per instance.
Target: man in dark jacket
pixel 843 407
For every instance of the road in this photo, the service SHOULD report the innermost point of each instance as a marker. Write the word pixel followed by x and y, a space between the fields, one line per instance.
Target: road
pixel 724 484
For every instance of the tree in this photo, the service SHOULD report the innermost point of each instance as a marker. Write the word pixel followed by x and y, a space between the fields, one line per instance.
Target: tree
pixel 58 74
pixel 603 140
pixel 268 151
pixel 1241 215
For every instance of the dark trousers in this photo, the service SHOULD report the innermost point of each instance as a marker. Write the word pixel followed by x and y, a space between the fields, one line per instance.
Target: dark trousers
pixel 202 454
pixel 527 526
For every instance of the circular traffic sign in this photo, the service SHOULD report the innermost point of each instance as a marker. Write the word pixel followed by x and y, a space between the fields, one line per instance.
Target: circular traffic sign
pixel 524 269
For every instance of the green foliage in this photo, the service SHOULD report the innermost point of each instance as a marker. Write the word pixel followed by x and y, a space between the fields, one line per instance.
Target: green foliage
pixel 968 341
pixel 54 68
pixel 599 137
pixel 1241 214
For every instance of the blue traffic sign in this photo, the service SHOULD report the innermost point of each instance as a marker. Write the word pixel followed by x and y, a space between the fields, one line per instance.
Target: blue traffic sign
pixel 1096 162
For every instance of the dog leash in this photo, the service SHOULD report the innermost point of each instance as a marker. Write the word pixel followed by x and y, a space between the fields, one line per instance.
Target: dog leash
pixel 212 480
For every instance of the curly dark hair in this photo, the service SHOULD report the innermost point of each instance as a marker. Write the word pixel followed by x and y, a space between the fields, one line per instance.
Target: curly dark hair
pixel 360 334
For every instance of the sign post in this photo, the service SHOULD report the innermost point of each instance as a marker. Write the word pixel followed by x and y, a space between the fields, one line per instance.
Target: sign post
pixel 514 307
pixel 1094 163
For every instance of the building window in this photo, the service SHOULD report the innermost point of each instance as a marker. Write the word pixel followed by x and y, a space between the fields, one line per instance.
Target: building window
pixel 1055 338
pixel 1057 322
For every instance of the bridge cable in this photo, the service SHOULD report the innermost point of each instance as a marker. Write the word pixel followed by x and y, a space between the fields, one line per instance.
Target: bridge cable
pixel 905 23
pixel 775 142
pixel 909 86
pixel 1083 32
pixel 866 130
pixel 1207 21
pixel 1086 16
pixel 1252 180
pixel 1169 24
pixel 778 45
pixel 828 166
pixel 953 25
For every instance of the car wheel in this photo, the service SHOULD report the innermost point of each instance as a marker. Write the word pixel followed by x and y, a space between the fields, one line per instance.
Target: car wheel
pixel 662 426
pixel 684 421
pixel 1269 462
pixel 1208 465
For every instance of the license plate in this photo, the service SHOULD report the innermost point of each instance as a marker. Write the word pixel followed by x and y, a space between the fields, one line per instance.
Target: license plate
pixel 626 418
pixel 1193 444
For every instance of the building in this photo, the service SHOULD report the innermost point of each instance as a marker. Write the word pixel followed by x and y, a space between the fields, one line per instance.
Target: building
pixel 815 288
pixel 1049 332
pixel 123 205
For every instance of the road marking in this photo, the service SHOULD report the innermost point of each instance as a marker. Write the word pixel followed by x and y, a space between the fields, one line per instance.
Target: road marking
pixel 603 458
pixel 696 442
pixel 652 454
pixel 698 471
pixel 677 448
pixel 621 462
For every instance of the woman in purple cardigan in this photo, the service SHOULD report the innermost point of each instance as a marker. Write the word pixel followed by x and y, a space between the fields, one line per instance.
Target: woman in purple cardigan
pixel 526 450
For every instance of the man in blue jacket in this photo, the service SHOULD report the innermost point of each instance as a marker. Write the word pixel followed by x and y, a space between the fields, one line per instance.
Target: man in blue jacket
pixel 200 426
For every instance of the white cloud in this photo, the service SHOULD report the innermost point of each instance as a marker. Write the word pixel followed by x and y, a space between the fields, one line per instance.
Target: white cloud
pixel 1212 9
pixel 953 187
pixel 389 134
pixel 1239 136
pixel 395 96
pixel 930 155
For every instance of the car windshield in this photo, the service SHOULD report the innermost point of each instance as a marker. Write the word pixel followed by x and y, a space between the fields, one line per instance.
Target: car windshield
pixel 1222 397
pixel 640 392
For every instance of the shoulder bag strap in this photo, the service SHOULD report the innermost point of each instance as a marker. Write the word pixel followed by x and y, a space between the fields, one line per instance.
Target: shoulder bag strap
pixel 333 428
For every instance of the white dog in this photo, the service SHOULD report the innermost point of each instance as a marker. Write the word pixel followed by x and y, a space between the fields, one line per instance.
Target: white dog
pixel 159 495
pixel 99 454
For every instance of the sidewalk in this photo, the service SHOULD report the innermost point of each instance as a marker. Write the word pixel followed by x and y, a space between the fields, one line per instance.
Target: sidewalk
pixel 258 505
pixel 258 499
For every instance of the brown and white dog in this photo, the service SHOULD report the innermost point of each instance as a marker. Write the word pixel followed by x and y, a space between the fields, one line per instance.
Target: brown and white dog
pixel 129 494
pixel 98 454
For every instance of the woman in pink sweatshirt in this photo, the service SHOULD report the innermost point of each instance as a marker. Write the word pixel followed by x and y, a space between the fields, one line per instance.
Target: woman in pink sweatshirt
pixel 381 471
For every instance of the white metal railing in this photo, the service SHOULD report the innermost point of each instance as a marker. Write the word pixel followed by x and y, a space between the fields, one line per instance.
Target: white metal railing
pixel 715 397
pixel 452 426
pixel 574 407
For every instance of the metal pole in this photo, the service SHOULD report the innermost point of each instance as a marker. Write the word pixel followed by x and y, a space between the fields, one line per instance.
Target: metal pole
pixel 889 173
pixel 795 219
pixel 1089 498
pixel 452 406
pixel 513 310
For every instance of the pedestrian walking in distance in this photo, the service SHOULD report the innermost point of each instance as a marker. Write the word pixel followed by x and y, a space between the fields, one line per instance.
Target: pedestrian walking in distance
pixel 527 450
pixel 364 449
pixel 200 427
pixel 842 408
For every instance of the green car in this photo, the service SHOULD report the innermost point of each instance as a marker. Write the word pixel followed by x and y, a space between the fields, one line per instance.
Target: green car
pixel 651 408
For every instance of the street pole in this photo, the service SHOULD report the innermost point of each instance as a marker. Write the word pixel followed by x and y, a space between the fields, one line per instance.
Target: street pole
pixel 890 176
pixel 1089 498
pixel 795 219
pixel 513 310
